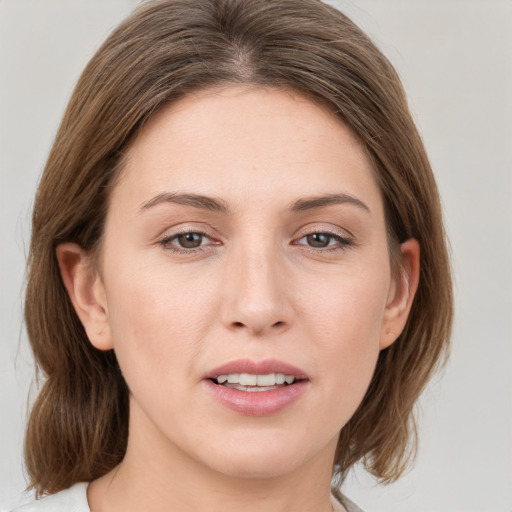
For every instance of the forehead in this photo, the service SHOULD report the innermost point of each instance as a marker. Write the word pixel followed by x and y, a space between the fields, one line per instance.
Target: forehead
pixel 241 142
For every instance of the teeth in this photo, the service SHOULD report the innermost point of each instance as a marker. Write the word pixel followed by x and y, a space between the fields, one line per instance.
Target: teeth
pixel 266 380
pixel 251 389
pixel 280 378
pixel 247 379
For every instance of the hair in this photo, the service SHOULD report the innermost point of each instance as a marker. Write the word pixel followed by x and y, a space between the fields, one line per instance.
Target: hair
pixel 166 49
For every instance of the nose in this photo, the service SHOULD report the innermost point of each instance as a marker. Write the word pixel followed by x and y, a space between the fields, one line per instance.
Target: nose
pixel 256 299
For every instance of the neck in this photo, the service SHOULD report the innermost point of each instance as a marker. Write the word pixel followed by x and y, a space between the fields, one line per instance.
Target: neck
pixel 160 477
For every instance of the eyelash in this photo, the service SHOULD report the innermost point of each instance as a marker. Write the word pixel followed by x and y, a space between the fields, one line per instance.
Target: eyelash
pixel 342 242
pixel 167 242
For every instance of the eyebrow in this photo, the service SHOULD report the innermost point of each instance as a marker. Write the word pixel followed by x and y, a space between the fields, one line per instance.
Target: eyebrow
pixel 219 205
pixel 195 200
pixel 310 203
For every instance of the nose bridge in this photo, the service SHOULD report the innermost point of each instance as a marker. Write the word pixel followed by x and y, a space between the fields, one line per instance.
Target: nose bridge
pixel 256 299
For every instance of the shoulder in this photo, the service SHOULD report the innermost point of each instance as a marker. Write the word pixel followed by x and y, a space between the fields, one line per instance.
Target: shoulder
pixel 342 503
pixel 73 499
pixel 350 506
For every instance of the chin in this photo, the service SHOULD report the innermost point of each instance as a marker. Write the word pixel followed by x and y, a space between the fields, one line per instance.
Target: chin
pixel 258 457
pixel 260 467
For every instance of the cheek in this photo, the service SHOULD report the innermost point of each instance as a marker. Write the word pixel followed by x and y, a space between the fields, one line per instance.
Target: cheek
pixel 154 319
pixel 349 307
pixel 346 322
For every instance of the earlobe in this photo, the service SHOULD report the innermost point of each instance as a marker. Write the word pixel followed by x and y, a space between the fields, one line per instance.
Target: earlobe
pixel 86 292
pixel 401 293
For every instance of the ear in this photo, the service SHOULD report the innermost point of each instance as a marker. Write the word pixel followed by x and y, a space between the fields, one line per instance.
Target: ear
pixel 87 293
pixel 401 293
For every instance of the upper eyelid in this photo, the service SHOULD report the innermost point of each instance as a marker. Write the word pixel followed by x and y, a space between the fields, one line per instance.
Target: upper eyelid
pixel 174 231
pixel 186 231
pixel 301 233
pixel 176 234
pixel 342 233
pixel 328 233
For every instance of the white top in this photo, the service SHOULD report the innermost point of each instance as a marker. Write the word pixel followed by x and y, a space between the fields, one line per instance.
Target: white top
pixel 74 499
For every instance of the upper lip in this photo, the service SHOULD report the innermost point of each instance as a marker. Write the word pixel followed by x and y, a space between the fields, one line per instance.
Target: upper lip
pixel 253 367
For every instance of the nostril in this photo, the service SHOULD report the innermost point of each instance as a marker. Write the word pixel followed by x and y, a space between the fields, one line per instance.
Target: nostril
pixel 258 327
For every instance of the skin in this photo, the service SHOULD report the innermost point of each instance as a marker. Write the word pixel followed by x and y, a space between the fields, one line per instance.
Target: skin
pixel 258 286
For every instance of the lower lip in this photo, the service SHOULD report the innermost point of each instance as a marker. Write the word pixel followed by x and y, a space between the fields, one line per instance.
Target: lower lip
pixel 258 403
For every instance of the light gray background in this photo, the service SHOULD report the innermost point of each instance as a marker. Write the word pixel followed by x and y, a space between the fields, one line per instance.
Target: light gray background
pixel 455 58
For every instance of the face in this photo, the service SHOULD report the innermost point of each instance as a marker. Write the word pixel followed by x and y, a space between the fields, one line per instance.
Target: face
pixel 245 245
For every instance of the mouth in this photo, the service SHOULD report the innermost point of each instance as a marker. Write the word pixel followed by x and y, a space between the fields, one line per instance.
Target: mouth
pixel 257 388
pixel 255 383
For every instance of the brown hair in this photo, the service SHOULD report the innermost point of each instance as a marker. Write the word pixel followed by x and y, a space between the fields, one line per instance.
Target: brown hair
pixel 166 49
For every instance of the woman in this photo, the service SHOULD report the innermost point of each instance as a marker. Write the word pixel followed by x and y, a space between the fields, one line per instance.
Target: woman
pixel 238 282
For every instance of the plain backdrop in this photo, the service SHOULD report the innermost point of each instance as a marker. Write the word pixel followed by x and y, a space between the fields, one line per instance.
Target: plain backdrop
pixel 455 58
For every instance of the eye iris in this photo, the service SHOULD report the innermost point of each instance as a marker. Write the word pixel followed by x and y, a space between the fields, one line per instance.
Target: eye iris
pixel 190 240
pixel 318 240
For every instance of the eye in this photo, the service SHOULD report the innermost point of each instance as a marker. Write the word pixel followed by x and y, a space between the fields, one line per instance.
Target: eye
pixel 324 240
pixel 190 240
pixel 187 240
